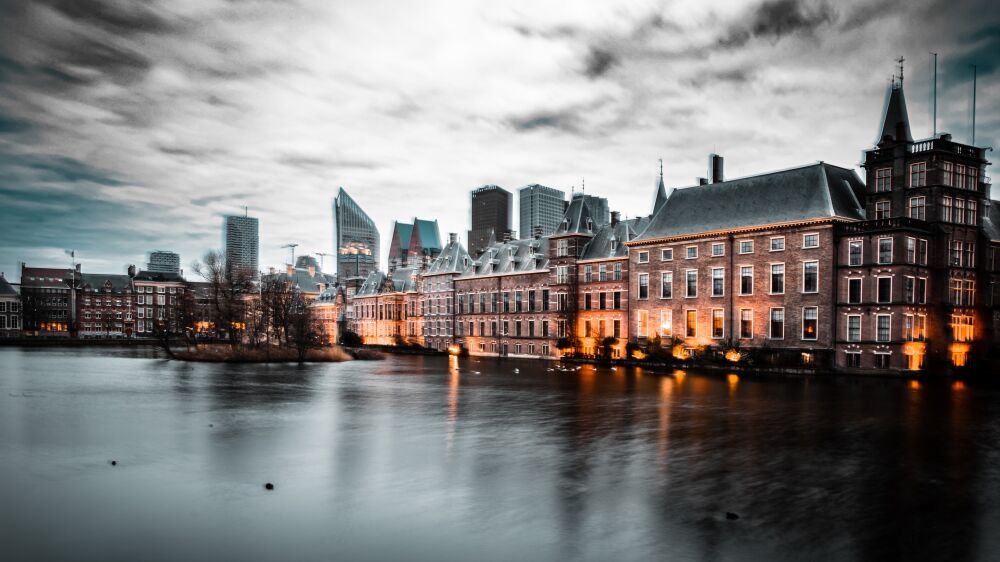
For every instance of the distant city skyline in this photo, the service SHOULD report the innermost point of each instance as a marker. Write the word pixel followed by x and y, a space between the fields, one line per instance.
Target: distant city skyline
pixel 140 126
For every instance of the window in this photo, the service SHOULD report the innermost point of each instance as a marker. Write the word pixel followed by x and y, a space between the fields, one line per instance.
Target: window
pixel 918 174
pixel 718 323
pixel 810 322
pixel 746 323
pixel 618 271
pixel 618 300
pixel 562 248
pixel 588 273
pixel 746 280
pixel 602 300
pixel 777 278
pixel 962 327
pixel 916 208
pixel 946 209
pixel 883 322
pixel 718 249
pixel 972 178
pixel 746 246
pixel 643 257
pixel 883 179
pixel 562 274
pixel 603 275
pixel 854 327
pixel 921 290
pixel 911 250
pixel 882 209
pixel 947 173
pixel 909 289
pixel 810 240
pixel 853 359
pixel 616 326
pixel 692 283
pixel 643 285
pixel 691 252
pixel 588 301
pixel 810 277
pixel 970 213
pixel 885 250
pixel 883 294
pixel 667 285
pixel 667 254
pixel 777 243
pixel 718 281
pixel 855 252
pixel 666 323
pixel 642 323
pixel 692 324
pixel 882 360
pixel 777 331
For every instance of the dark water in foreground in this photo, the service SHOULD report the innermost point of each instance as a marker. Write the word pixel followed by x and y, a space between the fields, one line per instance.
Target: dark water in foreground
pixel 423 459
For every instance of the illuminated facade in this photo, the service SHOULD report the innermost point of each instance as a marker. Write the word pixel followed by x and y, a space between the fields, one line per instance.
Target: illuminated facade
pixel 355 240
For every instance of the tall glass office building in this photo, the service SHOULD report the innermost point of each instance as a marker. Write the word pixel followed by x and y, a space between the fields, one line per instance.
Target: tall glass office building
pixel 355 239
pixel 241 240
pixel 541 208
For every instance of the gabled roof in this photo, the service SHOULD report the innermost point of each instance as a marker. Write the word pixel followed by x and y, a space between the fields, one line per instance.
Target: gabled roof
pixel 516 256
pixel 577 218
pixel 811 192
pixel 661 192
pixel 6 289
pixel 991 222
pixel 894 115
pixel 95 282
pixel 452 259
pixel 401 280
pixel 609 241
pixel 303 282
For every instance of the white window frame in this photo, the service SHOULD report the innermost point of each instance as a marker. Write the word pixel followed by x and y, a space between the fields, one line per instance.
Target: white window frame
pixel 770 322
pixel 861 292
pixel 878 250
pixel 715 245
pixel 889 318
pixel 667 254
pixel 687 252
pixel 877 278
pixel 643 256
pixel 847 328
pixel 742 294
pixel 723 277
pixel 712 323
pixel 803 322
pixel 669 274
pixel 807 234
pixel 687 272
pixel 804 291
pixel 742 337
pixel 770 278
pixel 775 238
pixel 741 242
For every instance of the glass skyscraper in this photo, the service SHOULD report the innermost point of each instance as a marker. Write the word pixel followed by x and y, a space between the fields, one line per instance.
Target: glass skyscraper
pixel 355 239
pixel 241 239
pixel 540 207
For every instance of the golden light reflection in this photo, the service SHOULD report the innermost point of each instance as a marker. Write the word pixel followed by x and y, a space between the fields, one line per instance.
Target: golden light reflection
pixel 679 376
pixel 958 386
pixel 733 355
pixel 679 352
pixel 453 381
pixel 959 354
pixel 733 379
pixel 666 402
pixel 914 385
pixel 454 350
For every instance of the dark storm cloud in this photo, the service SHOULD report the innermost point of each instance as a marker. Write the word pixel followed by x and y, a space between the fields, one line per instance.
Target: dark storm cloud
pixel 53 169
pixel 203 201
pixel 599 62
pixel 776 19
pixel 10 125
pixel 716 76
pixel 116 17
pixel 322 163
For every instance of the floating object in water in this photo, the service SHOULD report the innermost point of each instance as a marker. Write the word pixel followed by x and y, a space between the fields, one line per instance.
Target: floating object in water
pixel 731 516
pixel 268 486
pixel 211 425
pixel 475 372
pixel 114 463
pixel 614 368
pixel 516 371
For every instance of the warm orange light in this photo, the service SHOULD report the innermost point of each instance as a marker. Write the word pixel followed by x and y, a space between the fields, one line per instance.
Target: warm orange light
pixel 638 354
pixel 680 353
pixel 958 385
pixel 733 379
pixel 454 349
pixel 959 354
pixel 734 356
pixel 915 385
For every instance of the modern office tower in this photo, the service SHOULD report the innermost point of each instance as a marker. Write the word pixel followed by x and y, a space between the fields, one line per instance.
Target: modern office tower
pixel 414 244
pixel 598 206
pixel 492 212
pixel 355 239
pixel 541 208
pixel 164 262
pixel 242 243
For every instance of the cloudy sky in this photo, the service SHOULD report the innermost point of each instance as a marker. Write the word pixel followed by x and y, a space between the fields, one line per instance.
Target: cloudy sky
pixel 128 126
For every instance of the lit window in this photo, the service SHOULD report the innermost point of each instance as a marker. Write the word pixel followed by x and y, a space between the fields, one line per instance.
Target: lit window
pixel 810 322
pixel 692 323
pixel 718 323
pixel 746 323
pixel 666 323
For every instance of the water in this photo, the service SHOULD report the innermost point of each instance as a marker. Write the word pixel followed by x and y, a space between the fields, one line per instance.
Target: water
pixel 422 459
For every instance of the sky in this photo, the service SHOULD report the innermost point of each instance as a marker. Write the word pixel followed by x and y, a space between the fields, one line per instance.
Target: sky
pixel 131 126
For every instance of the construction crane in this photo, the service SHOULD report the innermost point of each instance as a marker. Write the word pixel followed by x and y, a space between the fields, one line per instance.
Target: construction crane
pixel 321 256
pixel 291 246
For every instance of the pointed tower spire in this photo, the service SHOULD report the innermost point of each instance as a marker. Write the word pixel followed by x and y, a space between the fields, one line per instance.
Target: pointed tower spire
pixel 895 121
pixel 661 191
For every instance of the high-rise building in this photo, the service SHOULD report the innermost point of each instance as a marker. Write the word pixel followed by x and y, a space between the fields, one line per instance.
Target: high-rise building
pixel 242 242
pixel 414 244
pixel 491 215
pixel 164 262
pixel 541 208
pixel 355 239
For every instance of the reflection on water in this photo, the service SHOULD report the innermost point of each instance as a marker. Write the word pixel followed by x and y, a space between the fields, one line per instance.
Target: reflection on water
pixel 462 459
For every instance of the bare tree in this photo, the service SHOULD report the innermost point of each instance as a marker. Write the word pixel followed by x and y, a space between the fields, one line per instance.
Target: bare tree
pixel 304 332
pixel 229 288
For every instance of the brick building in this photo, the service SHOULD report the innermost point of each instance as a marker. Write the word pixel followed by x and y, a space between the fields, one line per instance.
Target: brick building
pixel 745 263
pixel 10 309
pixel 385 308
pixel 436 285
pixel 48 301
pixel 105 306
pixel 159 303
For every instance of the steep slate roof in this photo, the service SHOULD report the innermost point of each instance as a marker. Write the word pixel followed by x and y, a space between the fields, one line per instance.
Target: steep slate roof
pixel 600 246
pixel 6 289
pixel 95 282
pixel 661 193
pixel 372 284
pixel 895 114
pixel 452 259
pixel 159 276
pixel 991 222
pixel 517 256
pixel 576 218
pixel 300 279
pixel 403 279
pixel 811 192
pixel 46 277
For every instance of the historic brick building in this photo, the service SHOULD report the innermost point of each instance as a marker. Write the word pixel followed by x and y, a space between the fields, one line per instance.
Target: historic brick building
pixel 159 301
pixel 745 263
pixel 105 306
pixel 48 300
pixel 10 309
pixel 384 305
pixel 915 277
pixel 436 285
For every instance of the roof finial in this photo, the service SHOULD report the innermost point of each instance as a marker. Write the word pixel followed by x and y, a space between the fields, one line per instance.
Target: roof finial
pixel 583 185
pixel 661 169
pixel 900 61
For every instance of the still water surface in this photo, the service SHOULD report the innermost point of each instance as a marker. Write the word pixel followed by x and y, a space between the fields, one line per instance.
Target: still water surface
pixel 441 459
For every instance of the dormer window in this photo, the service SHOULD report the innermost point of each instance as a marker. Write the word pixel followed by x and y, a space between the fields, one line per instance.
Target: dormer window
pixel 590 223
pixel 614 243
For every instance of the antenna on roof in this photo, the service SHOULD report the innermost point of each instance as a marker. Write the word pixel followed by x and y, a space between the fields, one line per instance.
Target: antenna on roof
pixel 661 168
pixel 583 185
pixel 246 211
pixel 900 61
pixel 974 68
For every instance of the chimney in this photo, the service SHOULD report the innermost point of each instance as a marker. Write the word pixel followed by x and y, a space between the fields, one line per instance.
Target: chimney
pixel 131 271
pixel 290 270
pixel 452 237
pixel 702 181
pixel 615 217
pixel 536 231
pixel 507 235
pixel 715 168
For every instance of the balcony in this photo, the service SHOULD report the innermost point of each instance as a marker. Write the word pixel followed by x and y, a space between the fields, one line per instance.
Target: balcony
pixel 883 225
